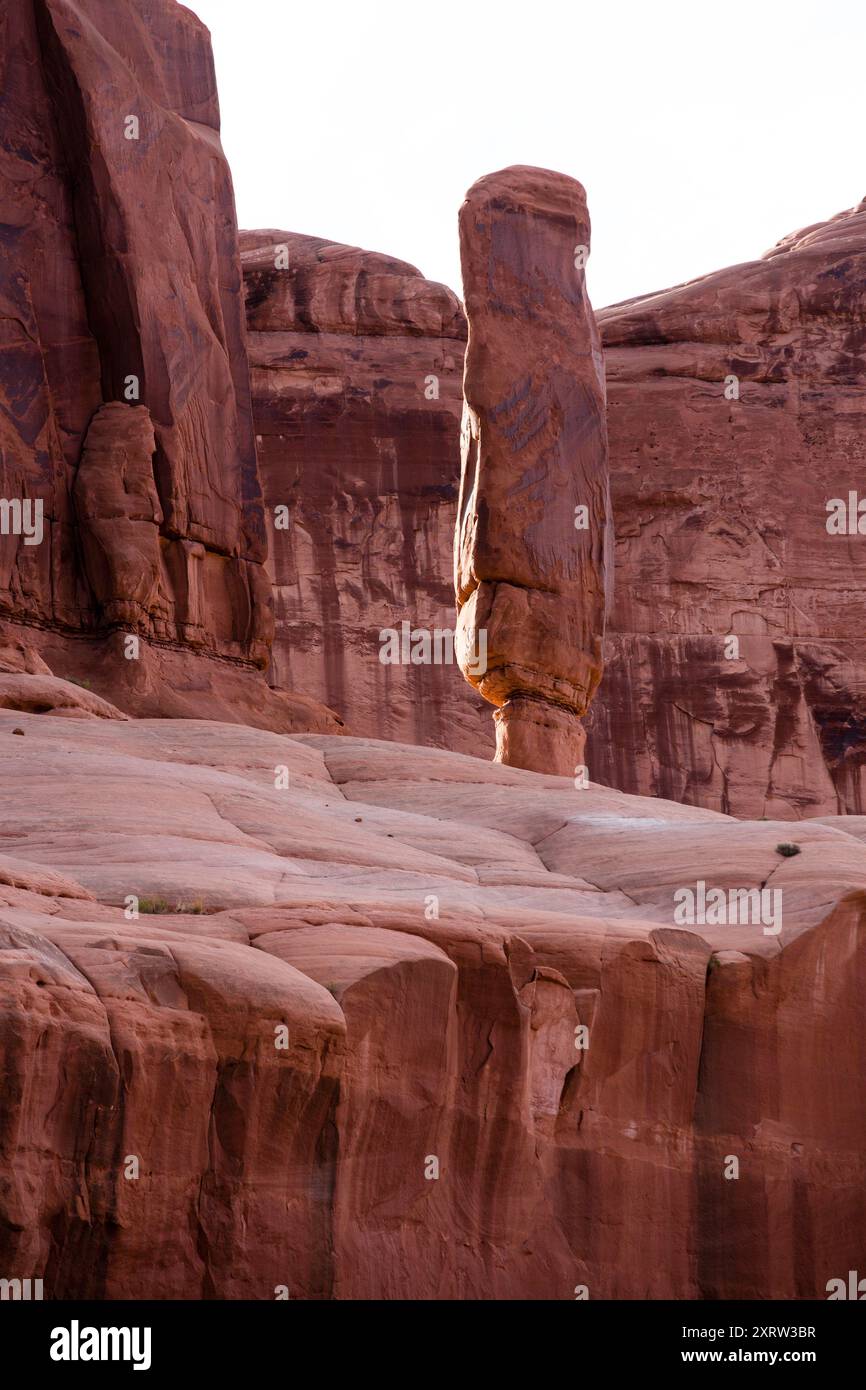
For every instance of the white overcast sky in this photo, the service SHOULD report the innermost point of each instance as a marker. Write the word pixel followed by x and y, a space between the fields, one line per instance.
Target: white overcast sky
pixel 703 132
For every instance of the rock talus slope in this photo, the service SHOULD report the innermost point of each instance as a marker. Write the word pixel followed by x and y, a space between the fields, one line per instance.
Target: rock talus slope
pixel 400 1023
pixel 532 555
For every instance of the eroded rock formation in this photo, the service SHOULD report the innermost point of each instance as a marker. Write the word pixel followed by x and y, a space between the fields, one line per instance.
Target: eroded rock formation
pixel 533 542
pixel 119 515
pixel 356 365
pixel 412 1025
pixel 737 411
pixel 124 381
pixel 329 1016
pixel 714 540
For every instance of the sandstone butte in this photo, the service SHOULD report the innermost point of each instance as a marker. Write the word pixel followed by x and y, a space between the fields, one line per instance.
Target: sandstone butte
pixel 391 1020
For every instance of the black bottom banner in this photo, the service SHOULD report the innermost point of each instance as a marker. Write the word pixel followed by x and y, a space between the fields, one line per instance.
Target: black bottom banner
pixel 83 1340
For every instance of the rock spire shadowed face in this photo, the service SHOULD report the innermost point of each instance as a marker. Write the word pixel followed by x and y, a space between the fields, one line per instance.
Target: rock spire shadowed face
pixel 532 550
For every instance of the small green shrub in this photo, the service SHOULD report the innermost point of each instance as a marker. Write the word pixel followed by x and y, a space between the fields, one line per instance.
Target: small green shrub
pixel 155 906
pixel 788 850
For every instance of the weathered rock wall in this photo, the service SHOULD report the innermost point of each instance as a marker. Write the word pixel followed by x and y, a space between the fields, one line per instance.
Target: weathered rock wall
pixel 125 421
pixel 737 410
pixel 357 364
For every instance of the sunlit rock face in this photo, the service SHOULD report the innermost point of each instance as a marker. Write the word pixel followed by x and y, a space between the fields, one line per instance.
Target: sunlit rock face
pixel 532 548
pixel 735 675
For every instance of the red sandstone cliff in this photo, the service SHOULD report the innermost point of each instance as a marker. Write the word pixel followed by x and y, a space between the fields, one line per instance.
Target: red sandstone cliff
pixel 357 364
pixel 737 410
pixel 354 1019
pixel 124 384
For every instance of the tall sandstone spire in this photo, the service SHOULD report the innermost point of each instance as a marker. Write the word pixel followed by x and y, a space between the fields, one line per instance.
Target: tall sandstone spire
pixel 533 550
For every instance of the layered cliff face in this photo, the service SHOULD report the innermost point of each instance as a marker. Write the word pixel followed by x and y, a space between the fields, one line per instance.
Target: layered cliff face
pixel 338 1018
pixel 129 493
pixel 356 367
pixel 737 412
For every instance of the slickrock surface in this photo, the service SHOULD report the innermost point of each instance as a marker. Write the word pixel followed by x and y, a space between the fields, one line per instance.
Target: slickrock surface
pixel 532 554
pixel 124 383
pixel 425 932
pixel 356 368
pixel 721 525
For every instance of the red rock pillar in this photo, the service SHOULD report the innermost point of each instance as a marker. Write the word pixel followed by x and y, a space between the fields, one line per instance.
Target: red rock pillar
pixel 533 548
